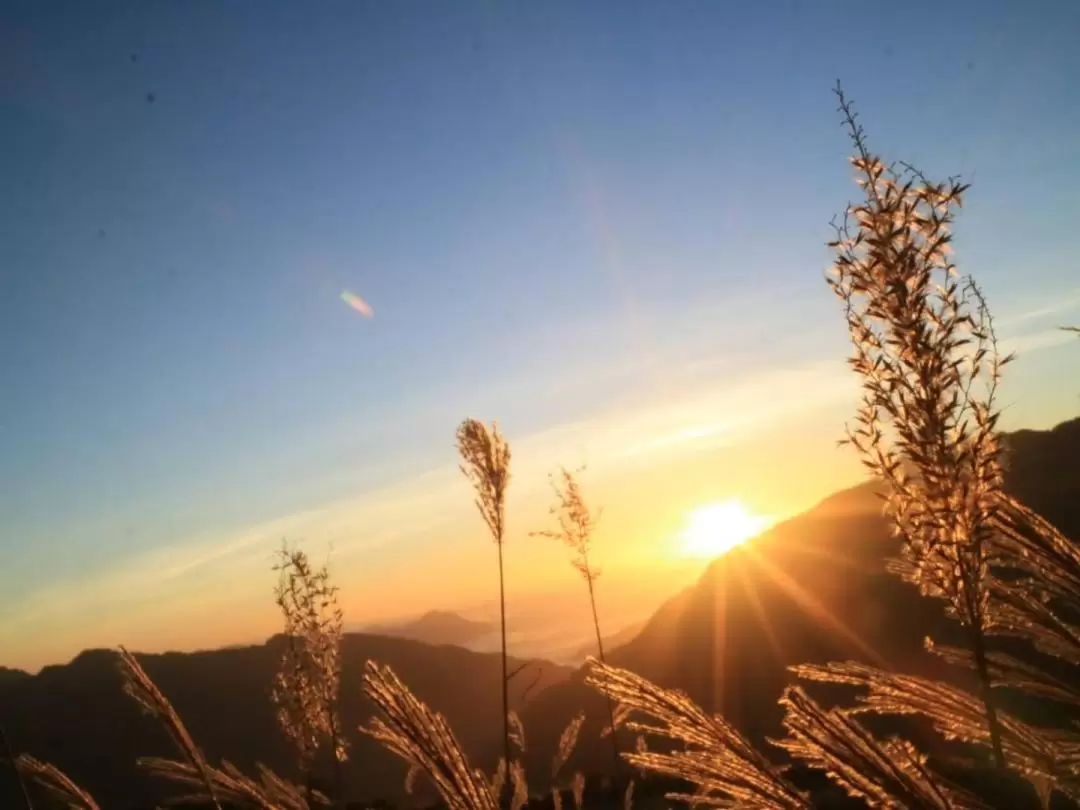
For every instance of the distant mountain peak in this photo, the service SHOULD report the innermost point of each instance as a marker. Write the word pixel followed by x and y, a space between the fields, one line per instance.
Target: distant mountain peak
pixel 437 627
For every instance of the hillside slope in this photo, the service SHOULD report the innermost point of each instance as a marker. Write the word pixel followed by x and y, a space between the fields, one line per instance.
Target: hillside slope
pixel 77 717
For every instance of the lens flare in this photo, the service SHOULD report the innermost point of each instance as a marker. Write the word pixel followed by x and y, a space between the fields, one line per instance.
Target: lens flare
pixel 357 303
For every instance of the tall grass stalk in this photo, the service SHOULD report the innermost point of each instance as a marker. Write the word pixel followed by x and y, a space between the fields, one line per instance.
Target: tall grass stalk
pixel 926 355
pixel 307 685
pixel 485 462
pixel 137 685
pixel 424 740
pixel 576 525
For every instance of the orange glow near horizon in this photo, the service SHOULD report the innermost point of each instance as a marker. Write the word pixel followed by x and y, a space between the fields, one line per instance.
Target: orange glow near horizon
pixel 716 528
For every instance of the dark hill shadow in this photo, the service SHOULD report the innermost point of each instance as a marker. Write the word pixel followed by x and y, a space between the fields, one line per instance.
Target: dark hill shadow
pixel 77 716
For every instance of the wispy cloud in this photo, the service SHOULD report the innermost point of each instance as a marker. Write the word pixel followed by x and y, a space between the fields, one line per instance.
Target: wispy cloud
pixel 1068 301
pixel 735 412
pixel 1034 341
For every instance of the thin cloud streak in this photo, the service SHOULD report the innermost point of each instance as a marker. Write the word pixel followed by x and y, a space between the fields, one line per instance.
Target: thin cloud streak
pixel 1034 341
pixel 1066 302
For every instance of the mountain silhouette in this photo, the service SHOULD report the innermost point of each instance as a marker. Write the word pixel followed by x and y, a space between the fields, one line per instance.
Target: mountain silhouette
pixel 77 716
pixel 437 627
pixel 10 677
pixel 810 590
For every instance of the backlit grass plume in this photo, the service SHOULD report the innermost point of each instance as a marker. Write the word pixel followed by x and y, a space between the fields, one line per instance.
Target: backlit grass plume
pixel 423 739
pixel 888 774
pixel 1036 595
pixel 927 359
pixel 567 742
pixel 54 782
pixel 721 765
pixel 137 685
pixel 926 353
pixel 307 684
pixel 576 524
pixel 207 784
pixel 1047 756
pixel 726 771
pixel 485 461
pixel 270 792
pixel 425 742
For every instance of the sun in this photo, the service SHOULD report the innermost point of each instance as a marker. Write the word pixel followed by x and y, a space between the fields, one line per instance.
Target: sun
pixel 715 528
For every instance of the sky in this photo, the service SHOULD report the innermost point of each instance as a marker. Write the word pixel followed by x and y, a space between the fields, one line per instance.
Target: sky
pixel 601 224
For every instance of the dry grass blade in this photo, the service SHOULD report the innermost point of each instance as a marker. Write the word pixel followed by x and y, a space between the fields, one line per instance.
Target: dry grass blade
pixel 520 796
pixel 486 463
pixel 271 793
pixel 1029 544
pixel 1035 594
pixel 892 775
pixel 56 783
pixel 307 684
pixel 1021 610
pixel 517 731
pixel 1041 754
pixel 9 756
pixel 138 685
pixel 410 779
pixel 567 742
pixel 498 778
pixel 1012 673
pixel 422 738
pixel 576 524
pixel 577 789
pixel 284 793
pixel 927 357
pixel 726 769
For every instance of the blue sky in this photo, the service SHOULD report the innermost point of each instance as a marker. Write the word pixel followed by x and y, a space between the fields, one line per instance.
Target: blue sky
pixel 559 212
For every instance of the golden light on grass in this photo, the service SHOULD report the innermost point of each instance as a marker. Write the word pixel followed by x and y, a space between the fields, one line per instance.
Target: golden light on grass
pixel 715 528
